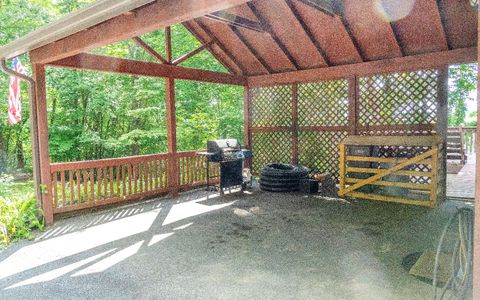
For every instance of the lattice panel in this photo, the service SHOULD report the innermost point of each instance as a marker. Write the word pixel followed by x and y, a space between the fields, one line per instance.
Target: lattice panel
pixel 323 103
pixel 271 106
pixel 271 147
pixel 408 98
pixel 319 151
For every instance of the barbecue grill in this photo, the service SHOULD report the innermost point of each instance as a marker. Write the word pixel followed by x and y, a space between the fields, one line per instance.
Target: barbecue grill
pixel 230 155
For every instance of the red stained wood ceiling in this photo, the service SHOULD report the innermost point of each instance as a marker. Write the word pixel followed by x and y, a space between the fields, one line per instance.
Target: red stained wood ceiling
pixel 298 36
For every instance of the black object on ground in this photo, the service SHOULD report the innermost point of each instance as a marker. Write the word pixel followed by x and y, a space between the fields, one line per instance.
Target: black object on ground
pixel 282 177
pixel 308 186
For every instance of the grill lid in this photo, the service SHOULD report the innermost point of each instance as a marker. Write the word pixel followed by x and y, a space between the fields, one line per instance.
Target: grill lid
pixel 225 145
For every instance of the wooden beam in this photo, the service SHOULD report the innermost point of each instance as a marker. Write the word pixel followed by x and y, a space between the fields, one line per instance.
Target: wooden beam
pixel 148 18
pixel 168 44
pixel 443 23
pixel 220 45
pixel 308 32
pixel 396 35
pixel 236 21
pixel 228 63
pixel 141 68
pixel 324 6
pixel 173 170
pixel 42 127
pixel 252 50
pixel 442 126
pixel 340 12
pixel 269 29
pixel 149 50
pixel 191 54
pixel 476 229
pixel 399 64
pixel 295 153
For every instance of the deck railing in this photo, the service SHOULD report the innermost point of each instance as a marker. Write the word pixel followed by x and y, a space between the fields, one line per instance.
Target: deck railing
pixel 78 185
pixel 469 139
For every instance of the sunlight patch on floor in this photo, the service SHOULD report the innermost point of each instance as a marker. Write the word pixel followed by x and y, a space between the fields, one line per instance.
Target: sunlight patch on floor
pixel 158 237
pixel 189 209
pixel 110 261
pixel 51 275
pixel 60 247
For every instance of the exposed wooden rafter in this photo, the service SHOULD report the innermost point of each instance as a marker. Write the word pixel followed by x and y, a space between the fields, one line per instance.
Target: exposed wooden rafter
pixel 168 44
pixel 226 61
pixel 154 16
pixel 149 50
pixel 269 29
pixel 309 33
pixel 220 45
pixel 326 6
pixel 140 68
pixel 252 50
pixel 339 9
pixel 443 22
pixel 396 35
pixel 190 54
pixel 235 21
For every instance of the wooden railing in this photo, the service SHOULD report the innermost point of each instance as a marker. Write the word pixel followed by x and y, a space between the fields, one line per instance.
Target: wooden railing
pixel 469 139
pixel 191 170
pixel 78 185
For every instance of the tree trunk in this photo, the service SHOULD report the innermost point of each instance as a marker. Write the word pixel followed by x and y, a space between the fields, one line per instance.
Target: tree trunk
pixel 19 153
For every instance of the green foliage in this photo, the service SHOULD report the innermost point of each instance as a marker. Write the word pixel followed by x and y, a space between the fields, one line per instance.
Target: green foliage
pixel 462 81
pixel 99 115
pixel 19 213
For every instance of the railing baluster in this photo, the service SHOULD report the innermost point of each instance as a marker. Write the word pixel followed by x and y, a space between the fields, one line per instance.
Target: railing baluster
pixel 79 191
pixel 92 185
pixel 55 189
pixel 99 184
pixel 117 179
pixel 134 169
pixel 105 183
pixel 124 178
pixel 111 182
pixel 64 196
pixel 85 185
pixel 71 186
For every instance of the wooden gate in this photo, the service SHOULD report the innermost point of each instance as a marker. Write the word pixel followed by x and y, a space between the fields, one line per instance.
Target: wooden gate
pixel 413 180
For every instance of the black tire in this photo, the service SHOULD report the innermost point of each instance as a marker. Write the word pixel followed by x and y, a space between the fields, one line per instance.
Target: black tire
pixel 284 171
pixel 279 180
pixel 278 190
pixel 279 184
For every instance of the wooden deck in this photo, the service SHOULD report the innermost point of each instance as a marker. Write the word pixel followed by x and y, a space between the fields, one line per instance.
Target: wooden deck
pixel 462 185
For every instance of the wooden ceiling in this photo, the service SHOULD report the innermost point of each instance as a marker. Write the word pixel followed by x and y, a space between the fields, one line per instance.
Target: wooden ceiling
pixel 275 36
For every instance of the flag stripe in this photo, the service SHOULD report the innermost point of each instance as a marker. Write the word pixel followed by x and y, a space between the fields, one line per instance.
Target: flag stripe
pixel 14 100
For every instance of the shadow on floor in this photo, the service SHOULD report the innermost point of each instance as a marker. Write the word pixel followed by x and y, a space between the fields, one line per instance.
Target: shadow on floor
pixel 238 246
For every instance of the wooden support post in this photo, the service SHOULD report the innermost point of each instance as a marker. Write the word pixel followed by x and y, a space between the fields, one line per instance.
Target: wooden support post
pixel 442 127
pixel 168 44
pixel 476 231
pixel 295 124
pixel 352 105
pixel 247 131
pixel 42 127
pixel 173 168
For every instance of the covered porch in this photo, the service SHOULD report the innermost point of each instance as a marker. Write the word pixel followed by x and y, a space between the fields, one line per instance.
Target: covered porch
pixel 314 73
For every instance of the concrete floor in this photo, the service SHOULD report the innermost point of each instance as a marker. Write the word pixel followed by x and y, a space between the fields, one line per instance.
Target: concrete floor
pixel 239 246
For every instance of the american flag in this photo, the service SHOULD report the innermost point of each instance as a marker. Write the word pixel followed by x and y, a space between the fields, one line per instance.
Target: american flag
pixel 14 102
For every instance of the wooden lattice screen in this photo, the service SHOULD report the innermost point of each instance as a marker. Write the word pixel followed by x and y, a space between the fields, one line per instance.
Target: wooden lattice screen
pixel 304 123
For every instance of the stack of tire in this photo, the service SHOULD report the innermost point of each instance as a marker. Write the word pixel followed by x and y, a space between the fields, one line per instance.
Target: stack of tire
pixel 282 177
